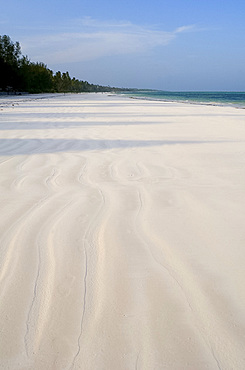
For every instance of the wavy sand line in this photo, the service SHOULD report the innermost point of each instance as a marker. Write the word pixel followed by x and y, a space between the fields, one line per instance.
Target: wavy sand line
pixel 122 238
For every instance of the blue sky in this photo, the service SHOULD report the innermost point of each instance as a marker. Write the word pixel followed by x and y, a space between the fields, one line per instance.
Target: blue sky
pixel 168 45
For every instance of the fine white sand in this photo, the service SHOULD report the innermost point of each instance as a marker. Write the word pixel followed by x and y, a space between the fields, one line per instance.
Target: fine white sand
pixel 122 238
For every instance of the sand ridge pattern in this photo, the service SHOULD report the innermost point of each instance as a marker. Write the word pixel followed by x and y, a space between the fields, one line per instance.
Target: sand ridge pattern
pixel 121 234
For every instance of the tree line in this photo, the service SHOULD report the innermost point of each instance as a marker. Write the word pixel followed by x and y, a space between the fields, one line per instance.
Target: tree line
pixel 19 74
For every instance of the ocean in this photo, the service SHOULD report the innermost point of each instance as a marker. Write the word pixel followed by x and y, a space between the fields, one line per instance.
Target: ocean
pixel 236 99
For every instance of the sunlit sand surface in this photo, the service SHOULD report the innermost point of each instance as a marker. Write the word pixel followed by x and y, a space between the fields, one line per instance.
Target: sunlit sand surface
pixel 122 242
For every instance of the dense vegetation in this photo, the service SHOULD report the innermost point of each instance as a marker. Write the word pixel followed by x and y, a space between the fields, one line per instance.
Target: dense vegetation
pixel 19 74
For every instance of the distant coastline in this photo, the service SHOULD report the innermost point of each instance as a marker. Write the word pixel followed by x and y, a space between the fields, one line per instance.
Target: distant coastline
pixel 18 75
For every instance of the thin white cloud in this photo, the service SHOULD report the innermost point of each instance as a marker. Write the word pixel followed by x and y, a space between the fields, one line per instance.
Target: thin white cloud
pixel 184 29
pixel 93 40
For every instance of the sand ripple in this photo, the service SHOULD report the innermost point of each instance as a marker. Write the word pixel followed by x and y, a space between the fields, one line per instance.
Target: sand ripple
pixel 122 237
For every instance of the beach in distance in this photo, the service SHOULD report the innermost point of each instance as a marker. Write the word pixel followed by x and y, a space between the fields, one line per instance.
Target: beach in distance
pixel 122 239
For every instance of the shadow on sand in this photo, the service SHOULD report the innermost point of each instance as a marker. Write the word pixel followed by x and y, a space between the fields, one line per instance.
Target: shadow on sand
pixel 37 146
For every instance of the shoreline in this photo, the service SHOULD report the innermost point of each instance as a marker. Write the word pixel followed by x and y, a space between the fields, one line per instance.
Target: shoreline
pixel 47 95
pixel 191 102
pixel 240 105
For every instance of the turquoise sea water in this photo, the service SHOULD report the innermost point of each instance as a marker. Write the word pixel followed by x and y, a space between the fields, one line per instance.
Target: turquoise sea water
pixel 236 99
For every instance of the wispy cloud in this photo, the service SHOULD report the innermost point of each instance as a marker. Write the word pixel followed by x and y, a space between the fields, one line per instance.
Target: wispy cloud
pixel 185 29
pixel 89 39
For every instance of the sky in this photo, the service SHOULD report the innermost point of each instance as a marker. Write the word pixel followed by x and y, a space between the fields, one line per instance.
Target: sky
pixel 175 45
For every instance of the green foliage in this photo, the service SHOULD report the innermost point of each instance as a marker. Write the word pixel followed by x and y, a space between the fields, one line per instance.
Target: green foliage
pixel 35 77
pixel 9 52
pixel 18 73
pixel 9 63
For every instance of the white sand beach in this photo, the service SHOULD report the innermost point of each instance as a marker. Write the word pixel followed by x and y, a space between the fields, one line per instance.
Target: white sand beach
pixel 122 238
